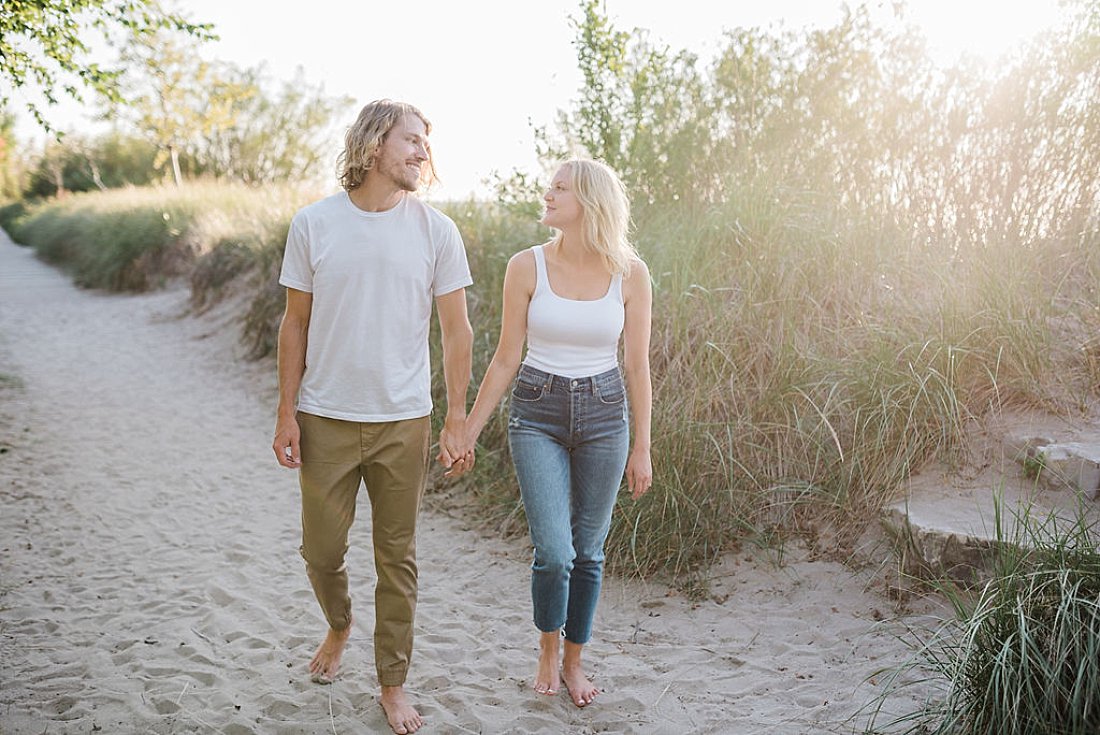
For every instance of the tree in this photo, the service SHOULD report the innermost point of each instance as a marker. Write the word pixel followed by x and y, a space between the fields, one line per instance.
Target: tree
pixel 11 166
pixel 79 163
pixel 174 97
pixel 43 43
pixel 275 136
pixel 50 175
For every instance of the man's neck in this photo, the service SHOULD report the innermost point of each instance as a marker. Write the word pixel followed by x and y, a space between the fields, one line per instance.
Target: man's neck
pixel 375 196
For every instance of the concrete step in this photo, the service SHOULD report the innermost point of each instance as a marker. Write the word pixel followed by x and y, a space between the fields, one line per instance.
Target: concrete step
pixel 951 519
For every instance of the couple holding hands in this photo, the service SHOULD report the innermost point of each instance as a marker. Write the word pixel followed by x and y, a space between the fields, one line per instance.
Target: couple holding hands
pixel 363 269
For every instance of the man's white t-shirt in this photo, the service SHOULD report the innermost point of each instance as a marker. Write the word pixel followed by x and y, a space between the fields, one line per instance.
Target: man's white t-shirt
pixel 373 276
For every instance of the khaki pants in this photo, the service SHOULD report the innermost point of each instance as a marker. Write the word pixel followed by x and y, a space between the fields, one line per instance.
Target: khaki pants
pixel 391 458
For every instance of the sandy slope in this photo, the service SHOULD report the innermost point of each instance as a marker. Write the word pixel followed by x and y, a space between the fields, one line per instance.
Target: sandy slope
pixel 151 581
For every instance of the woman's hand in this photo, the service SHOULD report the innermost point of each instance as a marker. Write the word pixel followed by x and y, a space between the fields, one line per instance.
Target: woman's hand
pixel 456 453
pixel 639 472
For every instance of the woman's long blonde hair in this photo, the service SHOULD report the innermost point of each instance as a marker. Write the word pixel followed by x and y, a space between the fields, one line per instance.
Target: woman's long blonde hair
pixel 605 221
pixel 366 134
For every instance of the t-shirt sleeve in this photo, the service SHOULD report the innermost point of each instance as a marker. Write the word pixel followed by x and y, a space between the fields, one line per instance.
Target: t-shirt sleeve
pixel 452 272
pixel 296 272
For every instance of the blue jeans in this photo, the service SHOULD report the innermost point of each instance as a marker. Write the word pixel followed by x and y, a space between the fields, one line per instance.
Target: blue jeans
pixel 569 442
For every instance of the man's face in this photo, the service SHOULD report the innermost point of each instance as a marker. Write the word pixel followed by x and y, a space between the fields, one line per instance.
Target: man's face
pixel 403 153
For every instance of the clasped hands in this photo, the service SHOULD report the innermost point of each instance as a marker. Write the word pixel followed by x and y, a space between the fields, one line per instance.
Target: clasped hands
pixel 456 447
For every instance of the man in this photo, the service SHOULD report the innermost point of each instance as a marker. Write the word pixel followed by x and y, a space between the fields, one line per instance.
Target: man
pixel 362 269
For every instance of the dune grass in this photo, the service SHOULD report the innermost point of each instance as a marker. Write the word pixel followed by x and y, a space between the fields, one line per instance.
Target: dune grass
pixel 1022 657
pixel 135 239
pixel 800 372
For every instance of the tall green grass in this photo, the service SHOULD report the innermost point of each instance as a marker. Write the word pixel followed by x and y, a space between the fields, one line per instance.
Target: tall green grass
pixel 135 239
pixel 1023 658
pixel 802 373
pixel 799 373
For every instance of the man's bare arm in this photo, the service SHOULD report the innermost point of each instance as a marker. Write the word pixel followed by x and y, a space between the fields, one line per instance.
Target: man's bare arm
pixel 293 333
pixel 458 340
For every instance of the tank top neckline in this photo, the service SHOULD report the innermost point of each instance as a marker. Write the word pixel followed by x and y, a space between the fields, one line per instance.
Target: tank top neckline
pixel 543 274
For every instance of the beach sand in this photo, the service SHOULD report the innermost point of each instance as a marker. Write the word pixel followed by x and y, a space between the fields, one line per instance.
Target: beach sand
pixel 151 581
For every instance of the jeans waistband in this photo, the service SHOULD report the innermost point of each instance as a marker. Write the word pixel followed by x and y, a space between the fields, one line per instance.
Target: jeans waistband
pixel 587 384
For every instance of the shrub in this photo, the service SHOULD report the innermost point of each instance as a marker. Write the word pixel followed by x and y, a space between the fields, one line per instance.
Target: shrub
pixel 1024 657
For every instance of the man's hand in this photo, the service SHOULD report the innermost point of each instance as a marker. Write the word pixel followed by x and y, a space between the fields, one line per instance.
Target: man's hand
pixel 456 453
pixel 287 436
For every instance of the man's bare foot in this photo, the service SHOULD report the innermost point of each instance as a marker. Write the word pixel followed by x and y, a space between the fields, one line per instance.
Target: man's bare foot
pixel 402 717
pixel 547 680
pixel 581 690
pixel 325 664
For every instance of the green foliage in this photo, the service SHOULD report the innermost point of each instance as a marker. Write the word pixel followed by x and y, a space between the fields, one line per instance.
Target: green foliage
pixel 11 213
pixel 272 135
pixel 520 194
pixel 259 136
pixel 641 109
pixel 77 164
pixel 174 97
pixel 240 130
pixel 1024 657
pixel 44 43
pixel 12 167
pixel 854 256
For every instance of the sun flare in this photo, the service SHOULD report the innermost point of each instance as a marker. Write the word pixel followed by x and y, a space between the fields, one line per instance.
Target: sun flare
pixel 983 29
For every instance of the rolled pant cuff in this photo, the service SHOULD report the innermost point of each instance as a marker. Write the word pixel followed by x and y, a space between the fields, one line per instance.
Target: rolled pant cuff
pixel 343 624
pixel 392 678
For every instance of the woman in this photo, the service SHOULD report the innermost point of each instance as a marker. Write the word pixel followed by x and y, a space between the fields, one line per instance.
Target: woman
pixel 571 299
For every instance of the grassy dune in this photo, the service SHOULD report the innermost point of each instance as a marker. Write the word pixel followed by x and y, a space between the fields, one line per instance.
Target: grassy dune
pixel 800 373
pixel 136 239
pixel 856 256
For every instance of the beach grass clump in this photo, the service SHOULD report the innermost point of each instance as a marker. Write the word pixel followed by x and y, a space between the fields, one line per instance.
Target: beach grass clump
pixel 135 239
pixel 1023 656
pixel 10 213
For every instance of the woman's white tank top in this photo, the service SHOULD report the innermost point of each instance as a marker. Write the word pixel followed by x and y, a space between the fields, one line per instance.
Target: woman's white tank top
pixel 574 339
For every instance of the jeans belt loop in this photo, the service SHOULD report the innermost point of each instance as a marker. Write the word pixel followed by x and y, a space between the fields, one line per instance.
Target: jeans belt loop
pixel 549 383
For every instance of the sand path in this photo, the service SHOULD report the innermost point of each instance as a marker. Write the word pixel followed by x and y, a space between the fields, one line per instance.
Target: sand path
pixel 151 581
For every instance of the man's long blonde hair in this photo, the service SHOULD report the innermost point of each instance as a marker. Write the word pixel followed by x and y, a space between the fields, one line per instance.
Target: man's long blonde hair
pixel 605 219
pixel 366 134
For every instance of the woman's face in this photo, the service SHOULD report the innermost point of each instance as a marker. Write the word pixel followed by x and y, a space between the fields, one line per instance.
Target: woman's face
pixel 563 209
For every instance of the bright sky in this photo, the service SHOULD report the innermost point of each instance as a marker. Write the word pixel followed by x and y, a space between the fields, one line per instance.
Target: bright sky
pixel 484 70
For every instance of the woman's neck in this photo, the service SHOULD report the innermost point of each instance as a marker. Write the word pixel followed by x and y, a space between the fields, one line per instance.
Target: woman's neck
pixel 570 248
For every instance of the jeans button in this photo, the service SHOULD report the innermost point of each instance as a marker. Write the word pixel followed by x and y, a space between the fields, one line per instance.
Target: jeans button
pixel 574 384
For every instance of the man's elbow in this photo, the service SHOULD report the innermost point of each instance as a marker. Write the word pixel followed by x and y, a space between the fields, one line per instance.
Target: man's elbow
pixel 293 325
pixel 460 336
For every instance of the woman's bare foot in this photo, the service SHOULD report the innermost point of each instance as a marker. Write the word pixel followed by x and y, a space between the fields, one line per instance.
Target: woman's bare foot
pixel 325 664
pixel 547 680
pixel 581 690
pixel 402 717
